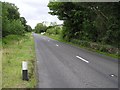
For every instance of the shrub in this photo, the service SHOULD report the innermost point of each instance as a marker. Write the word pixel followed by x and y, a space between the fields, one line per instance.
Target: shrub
pixel 96 46
pixel 54 30
pixel 13 27
pixel 8 39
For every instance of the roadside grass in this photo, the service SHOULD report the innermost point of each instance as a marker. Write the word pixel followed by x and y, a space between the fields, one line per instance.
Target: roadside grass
pixel 15 50
pixel 58 38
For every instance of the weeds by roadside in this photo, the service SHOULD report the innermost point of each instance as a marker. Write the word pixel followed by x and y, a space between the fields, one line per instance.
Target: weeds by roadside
pixel 15 50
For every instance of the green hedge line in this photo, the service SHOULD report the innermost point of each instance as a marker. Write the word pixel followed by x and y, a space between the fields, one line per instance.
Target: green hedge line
pixel 96 46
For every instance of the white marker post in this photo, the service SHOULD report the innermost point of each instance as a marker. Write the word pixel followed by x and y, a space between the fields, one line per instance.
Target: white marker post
pixel 24 71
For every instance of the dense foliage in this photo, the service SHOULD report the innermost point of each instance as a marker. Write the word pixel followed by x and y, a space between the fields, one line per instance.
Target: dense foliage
pixel 12 23
pixel 40 27
pixel 54 30
pixel 95 22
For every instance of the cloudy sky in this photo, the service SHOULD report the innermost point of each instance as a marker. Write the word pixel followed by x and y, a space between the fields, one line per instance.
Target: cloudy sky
pixel 34 11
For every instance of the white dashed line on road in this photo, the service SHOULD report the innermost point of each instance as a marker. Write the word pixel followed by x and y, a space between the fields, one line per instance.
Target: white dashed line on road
pixel 57 45
pixel 82 59
pixel 112 75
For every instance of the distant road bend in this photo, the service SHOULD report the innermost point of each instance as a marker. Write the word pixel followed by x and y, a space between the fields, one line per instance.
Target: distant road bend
pixel 61 65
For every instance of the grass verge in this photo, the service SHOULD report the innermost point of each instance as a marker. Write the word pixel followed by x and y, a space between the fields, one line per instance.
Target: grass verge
pixel 58 38
pixel 15 50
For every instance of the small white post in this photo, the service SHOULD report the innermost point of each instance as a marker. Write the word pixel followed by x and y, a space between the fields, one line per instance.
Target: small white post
pixel 24 71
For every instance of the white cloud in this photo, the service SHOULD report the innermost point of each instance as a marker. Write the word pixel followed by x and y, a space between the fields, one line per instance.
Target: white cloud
pixel 34 11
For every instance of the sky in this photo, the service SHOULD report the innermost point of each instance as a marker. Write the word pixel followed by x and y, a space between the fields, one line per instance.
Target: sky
pixel 34 11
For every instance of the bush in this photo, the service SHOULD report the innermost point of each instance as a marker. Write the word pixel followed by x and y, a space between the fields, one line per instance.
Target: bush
pixel 16 27
pixel 80 42
pixel 103 49
pixel 96 46
pixel 13 27
pixel 54 30
pixel 10 38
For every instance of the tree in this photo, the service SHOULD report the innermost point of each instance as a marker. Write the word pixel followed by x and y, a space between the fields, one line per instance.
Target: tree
pixel 88 21
pixel 12 23
pixel 24 22
pixel 15 27
pixel 29 29
pixel 40 27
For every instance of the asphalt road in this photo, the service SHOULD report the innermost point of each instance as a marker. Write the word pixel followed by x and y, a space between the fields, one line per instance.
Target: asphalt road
pixel 61 65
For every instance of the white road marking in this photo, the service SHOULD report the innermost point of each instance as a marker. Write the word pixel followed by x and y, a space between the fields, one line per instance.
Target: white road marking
pixel 82 59
pixel 57 45
pixel 112 75
pixel 48 40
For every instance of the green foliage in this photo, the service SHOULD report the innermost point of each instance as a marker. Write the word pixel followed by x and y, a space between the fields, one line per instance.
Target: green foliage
pixel 12 23
pixel 8 39
pixel 10 11
pixel 13 27
pixel 40 27
pixel 95 22
pixel 54 30
pixel 29 29
pixel 95 46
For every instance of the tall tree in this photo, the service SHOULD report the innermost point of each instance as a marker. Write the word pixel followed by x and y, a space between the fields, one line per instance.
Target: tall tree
pixel 40 27
pixel 88 21
pixel 12 23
